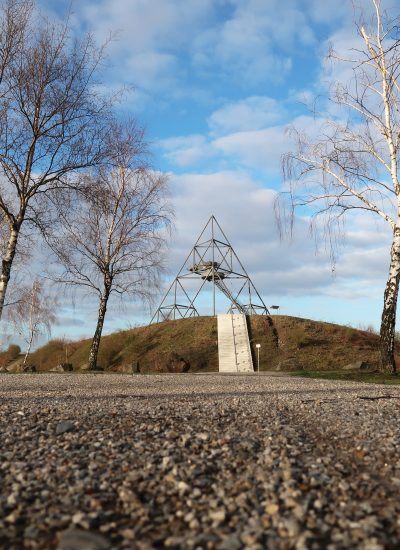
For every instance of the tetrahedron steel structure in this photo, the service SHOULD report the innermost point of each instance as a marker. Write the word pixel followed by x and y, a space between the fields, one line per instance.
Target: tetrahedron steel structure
pixel 212 260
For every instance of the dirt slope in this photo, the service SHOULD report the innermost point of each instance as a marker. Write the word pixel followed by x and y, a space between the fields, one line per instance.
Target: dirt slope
pixel 287 343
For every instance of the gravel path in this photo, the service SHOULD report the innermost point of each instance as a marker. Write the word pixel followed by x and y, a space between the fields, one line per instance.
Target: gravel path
pixel 90 462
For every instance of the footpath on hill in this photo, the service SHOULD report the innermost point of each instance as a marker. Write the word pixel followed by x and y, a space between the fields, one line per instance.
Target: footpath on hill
pixel 197 461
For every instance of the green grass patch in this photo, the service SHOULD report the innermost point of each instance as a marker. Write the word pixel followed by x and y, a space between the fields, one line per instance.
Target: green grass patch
pixel 353 376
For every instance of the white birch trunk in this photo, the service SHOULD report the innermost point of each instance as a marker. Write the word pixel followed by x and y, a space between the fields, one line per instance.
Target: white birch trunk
pixel 32 325
pixel 6 266
pixel 28 351
pixel 388 322
pixel 94 348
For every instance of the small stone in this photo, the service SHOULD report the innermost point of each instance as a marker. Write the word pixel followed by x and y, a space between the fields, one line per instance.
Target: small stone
pixel 217 516
pixel 188 517
pixel 230 543
pixel 272 509
pixel 166 461
pixel 13 517
pixel 248 539
pixel 128 534
pixel 64 426
pixel 173 541
pixel 12 499
pixel 77 518
pixel 292 526
pixel 126 495
pixel 183 487
pixel 74 539
pixel 194 524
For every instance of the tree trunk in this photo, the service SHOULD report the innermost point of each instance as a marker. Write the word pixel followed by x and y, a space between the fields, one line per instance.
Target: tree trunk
pixel 94 348
pixel 7 264
pixel 388 322
pixel 28 351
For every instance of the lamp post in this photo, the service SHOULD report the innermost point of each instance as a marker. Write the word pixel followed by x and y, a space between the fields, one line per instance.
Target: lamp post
pixel 258 346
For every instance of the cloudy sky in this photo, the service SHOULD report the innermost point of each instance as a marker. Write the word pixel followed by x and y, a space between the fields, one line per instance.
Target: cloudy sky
pixel 217 83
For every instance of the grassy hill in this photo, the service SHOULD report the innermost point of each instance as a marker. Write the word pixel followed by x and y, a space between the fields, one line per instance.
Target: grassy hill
pixel 287 343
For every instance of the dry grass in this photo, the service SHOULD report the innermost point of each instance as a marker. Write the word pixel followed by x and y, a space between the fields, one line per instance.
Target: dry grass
pixel 314 345
pixel 10 354
pixel 289 343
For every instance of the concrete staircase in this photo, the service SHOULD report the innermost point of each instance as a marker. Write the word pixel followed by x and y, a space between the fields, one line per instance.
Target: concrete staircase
pixel 234 353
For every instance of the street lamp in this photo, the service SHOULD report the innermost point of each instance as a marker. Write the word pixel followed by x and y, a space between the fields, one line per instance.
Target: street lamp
pixel 258 346
pixel 274 307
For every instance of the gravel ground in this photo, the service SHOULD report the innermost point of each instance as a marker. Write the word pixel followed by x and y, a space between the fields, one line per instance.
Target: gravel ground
pixel 90 462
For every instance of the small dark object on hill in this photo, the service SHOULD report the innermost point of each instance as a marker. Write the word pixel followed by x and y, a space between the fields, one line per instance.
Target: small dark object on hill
pixel 177 364
pixel 364 366
pixel 63 367
pixel 29 368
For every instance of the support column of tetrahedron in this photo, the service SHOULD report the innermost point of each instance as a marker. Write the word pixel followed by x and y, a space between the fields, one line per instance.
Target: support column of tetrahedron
pixel 211 261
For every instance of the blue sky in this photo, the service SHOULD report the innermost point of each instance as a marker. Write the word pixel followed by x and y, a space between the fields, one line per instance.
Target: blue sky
pixel 216 83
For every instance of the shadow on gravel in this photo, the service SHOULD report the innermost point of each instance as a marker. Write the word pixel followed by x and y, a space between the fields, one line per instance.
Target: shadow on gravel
pixel 199 395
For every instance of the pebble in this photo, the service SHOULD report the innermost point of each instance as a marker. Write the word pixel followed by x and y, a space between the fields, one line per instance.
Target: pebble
pixel 64 426
pixel 218 516
pixel 76 539
pixel 272 509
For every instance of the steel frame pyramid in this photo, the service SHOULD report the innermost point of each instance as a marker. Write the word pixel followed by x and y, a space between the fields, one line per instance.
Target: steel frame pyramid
pixel 212 259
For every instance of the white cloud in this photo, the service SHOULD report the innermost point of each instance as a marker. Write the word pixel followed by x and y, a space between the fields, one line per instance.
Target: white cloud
pixel 144 25
pixel 187 150
pixel 153 70
pixel 262 148
pixel 250 45
pixel 259 149
pixel 147 37
pixel 251 113
pixel 328 12
pixel 238 40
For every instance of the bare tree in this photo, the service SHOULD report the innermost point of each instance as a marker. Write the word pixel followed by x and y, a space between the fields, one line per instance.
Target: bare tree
pixel 33 314
pixel 114 229
pixel 354 162
pixel 49 118
pixel 14 26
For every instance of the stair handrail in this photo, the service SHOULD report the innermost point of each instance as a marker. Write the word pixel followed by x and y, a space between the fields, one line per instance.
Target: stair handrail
pixel 234 343
pixel 248 341
pixel 225 290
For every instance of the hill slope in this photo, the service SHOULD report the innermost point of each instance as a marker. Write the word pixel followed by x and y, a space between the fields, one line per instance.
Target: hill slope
pixel 287 343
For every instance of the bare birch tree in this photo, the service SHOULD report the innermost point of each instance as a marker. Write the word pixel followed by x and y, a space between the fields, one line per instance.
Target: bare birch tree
pixel 354 163
pixel 14 28
pixel 49 117
pixel 33 314
pixel 114 229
